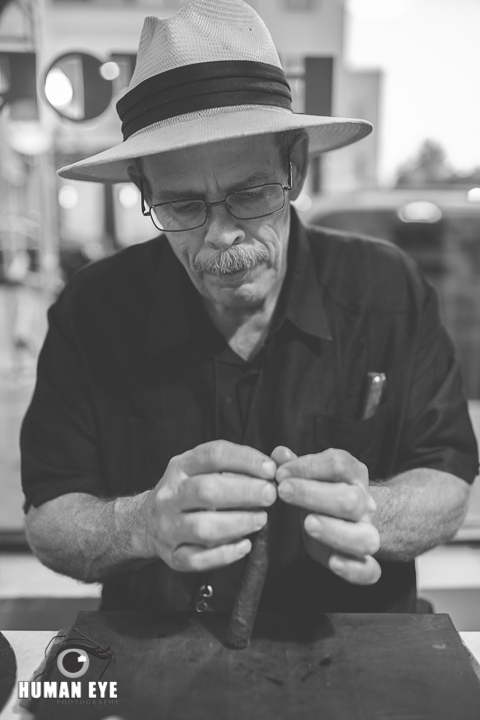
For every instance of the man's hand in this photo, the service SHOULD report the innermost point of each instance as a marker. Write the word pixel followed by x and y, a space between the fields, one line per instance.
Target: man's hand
pixel 332 487
pixel 207 503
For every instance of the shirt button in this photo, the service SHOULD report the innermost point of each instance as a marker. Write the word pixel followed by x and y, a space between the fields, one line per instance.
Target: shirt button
pixel 205 591
pixel 202 606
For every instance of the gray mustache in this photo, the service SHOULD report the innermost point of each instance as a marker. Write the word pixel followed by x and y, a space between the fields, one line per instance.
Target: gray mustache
pixel 235 259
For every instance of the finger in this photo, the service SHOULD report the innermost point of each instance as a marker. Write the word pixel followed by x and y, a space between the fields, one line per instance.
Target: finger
pixel 331 466
pixel 225 491
pixel 217 528
pixel 282 454
pixel 356 539
pixel 191 558
pixel 354 570
pixel 340 500
pixel 224 456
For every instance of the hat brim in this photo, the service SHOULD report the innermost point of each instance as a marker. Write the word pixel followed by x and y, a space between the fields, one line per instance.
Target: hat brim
pixel 111 166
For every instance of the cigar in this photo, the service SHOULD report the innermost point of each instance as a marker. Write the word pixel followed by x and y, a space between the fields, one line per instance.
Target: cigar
pixel 248 597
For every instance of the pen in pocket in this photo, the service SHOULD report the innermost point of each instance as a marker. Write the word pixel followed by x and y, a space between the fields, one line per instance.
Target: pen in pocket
pixel 374 390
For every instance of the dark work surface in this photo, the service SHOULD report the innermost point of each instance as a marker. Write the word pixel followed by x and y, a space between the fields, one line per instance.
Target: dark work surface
pixel 8 671
pixel 333 667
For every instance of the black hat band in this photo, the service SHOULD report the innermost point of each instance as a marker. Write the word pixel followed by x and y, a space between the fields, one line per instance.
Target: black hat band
pixel 202 86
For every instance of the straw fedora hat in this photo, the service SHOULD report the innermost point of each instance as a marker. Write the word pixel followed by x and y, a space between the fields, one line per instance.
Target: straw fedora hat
pixel 210 72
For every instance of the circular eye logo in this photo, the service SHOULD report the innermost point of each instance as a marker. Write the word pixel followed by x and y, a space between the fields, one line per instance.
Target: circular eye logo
pixel 73 662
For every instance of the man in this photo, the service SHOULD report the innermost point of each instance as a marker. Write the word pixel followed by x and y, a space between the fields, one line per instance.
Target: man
pixel 189 383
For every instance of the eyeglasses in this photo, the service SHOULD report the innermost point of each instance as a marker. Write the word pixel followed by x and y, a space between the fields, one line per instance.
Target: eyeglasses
pixel 248 204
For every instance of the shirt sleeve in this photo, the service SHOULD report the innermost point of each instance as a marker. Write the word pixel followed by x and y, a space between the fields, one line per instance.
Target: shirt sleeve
pixel 58 439
pixel 438 433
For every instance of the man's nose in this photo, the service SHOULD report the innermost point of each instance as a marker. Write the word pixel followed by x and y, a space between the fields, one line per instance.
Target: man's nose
pixel 223 230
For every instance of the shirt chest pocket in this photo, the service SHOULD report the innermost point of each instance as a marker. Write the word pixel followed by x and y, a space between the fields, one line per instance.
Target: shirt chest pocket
pixel 367 440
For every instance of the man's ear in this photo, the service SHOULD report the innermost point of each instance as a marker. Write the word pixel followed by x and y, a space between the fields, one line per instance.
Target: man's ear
pixel 134 175
pixel 137 178
pixel 299 160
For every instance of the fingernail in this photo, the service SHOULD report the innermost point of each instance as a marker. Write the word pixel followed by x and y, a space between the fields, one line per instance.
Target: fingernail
pixel 286 490
pixel 372 505
pixel 260 520
pixel 269 468
pixel 244 547
pixel 283 473
pixel 269 494
pixel 312 524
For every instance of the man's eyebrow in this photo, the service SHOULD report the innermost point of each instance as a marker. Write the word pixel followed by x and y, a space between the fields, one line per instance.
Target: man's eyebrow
pixel 257 178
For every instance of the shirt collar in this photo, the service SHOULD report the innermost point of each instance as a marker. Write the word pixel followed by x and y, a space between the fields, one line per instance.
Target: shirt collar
pixel 302 302
pixel 169 323
pixel 175 300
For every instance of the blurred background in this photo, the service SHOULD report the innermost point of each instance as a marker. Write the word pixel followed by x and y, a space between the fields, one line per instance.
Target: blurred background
pixel 411 67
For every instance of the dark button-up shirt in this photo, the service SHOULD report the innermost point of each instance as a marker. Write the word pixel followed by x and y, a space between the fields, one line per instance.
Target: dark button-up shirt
pixel 133 372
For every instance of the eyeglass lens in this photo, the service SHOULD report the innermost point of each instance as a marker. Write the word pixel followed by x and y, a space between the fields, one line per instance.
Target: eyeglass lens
pixel 243 204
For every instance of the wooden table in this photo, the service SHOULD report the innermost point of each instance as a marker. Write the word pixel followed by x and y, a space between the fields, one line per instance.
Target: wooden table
pixel 29 647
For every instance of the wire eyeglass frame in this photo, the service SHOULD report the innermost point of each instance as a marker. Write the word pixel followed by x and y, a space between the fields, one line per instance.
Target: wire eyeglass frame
pixel 147 210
